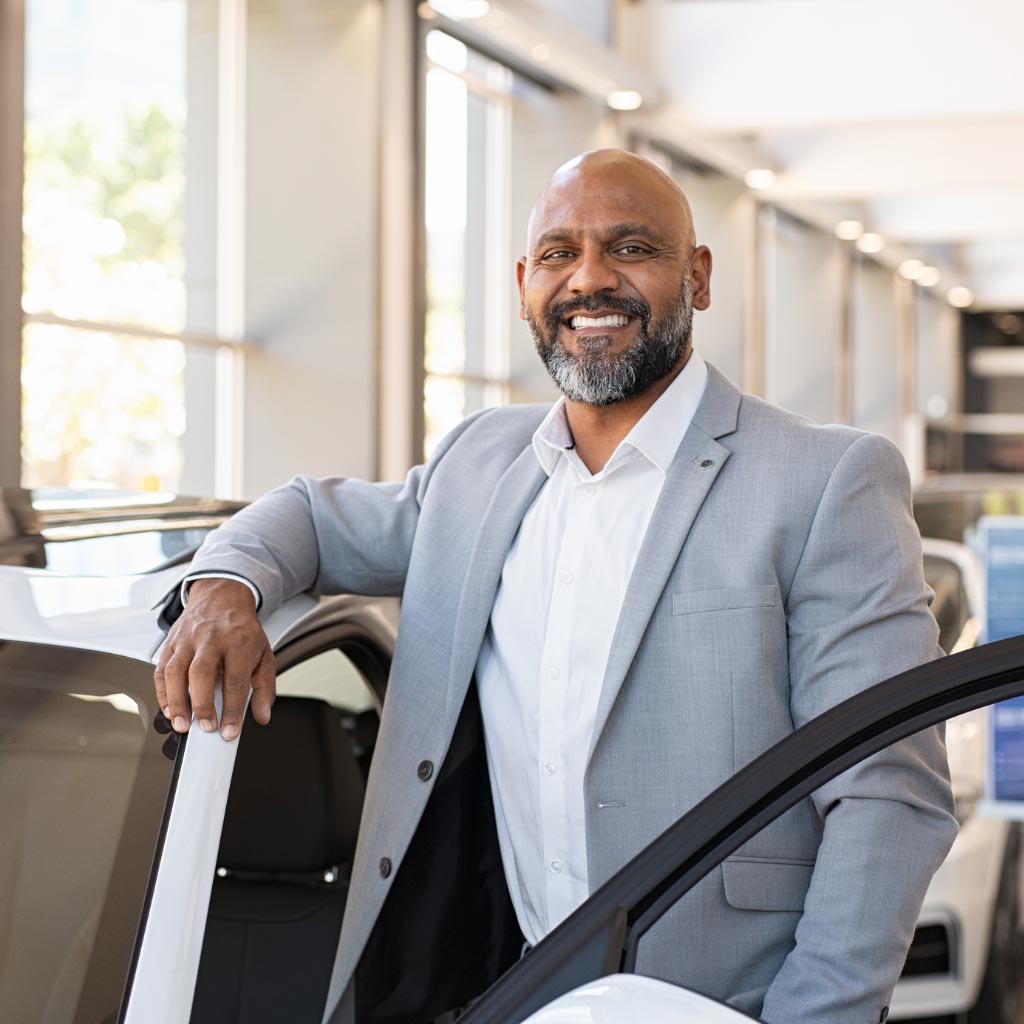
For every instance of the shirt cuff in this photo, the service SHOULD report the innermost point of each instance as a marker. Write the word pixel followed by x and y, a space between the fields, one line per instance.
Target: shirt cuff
pixel 189 580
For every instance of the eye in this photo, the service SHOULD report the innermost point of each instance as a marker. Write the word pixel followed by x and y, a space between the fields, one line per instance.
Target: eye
pixel 633 249
pixel 557 254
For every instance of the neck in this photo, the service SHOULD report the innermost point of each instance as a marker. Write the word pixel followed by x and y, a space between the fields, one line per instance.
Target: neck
pixel 598 429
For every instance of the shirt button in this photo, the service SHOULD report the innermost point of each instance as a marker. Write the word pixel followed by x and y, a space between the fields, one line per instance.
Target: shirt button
pixel 552 672
pixel 384 867
pixel 425 770
pixel 549 768
pixel 588 491
pixel 567 577
pixel 556 867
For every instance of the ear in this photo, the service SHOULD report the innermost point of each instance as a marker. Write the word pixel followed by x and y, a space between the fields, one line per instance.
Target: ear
pixel 520 277
pixel 700 277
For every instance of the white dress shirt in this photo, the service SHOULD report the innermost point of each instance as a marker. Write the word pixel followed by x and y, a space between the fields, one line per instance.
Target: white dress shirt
pixel 544 655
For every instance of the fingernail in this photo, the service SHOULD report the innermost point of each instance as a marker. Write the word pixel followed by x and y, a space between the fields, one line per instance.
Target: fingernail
pixel 167 713
pixel 229 732
pixel 206 725
pixel 180 724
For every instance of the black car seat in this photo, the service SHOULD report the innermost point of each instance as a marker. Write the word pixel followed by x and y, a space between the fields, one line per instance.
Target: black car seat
pixel 283 868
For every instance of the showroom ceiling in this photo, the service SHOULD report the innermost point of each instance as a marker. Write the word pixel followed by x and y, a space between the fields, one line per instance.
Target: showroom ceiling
pixel 907 116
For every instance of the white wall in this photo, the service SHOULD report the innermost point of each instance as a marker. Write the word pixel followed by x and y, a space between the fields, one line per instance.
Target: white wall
pixel 937 353
pixel 723 218
pixel 311 238
pixel 801 310
pixel 200 243
pixel 875 342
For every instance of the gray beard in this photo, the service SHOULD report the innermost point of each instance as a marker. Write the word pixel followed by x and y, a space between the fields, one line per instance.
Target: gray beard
pixel 596 378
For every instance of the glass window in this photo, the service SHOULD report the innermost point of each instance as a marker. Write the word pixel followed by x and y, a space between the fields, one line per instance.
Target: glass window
pixel 84 778
pixel 468 125
pixel 103 224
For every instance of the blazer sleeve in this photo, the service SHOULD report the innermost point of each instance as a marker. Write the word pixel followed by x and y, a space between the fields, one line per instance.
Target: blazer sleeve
pixel 329 535
pixel 858 613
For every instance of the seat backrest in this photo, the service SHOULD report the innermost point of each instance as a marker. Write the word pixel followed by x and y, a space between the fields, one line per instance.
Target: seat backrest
pixel 296 792
pixel 276 907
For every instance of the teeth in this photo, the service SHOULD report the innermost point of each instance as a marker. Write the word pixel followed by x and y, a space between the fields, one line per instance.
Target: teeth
pixel 614 320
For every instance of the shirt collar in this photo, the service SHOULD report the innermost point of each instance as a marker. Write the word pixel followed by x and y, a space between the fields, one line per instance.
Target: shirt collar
pixel 656 435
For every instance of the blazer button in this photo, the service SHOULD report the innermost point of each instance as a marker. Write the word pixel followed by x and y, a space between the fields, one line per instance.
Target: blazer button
pixel 385 867
pixel 425 770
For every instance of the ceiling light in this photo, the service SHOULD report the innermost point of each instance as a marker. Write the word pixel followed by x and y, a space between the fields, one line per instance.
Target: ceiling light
pixel 461 9
pixel 871 242
pixel 540 53
pixel 911 269
pixel 959 296
pixel 624 99
pixel 1008 323
pixel 849 230
pixel 760 177
pixel 928 276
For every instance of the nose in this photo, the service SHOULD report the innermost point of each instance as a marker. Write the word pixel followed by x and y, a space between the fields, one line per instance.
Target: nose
pixel 593 273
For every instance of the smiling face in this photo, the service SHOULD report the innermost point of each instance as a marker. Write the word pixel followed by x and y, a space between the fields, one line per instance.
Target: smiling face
pixel 611 277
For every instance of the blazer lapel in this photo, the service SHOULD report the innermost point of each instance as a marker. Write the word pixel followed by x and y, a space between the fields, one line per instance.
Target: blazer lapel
pixel 512 497
pixel 694 470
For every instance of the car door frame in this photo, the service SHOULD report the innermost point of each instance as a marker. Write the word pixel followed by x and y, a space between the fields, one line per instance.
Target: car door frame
pixel 161 981
pixel 602 935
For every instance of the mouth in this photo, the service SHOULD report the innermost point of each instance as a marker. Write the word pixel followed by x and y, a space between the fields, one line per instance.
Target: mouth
pixel 600 323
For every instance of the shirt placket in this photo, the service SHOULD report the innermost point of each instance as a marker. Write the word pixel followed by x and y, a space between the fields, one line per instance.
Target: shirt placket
pixel 556 699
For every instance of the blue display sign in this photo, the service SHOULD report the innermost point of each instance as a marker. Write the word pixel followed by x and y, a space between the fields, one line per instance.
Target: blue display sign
pixel 1002 547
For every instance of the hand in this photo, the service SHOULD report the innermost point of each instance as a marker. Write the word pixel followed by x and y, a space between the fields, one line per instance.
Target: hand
pixel 217 636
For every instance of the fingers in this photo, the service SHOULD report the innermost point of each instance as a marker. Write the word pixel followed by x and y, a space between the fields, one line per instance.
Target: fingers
pixel 202 681
pixel 240 666
pixel 264 687
pixel 218 637
pixel 174 676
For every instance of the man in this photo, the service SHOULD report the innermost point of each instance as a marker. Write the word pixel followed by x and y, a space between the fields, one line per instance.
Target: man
pixel 627 596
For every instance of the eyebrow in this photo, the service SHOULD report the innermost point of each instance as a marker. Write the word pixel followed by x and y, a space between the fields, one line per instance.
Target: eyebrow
pixel 616 231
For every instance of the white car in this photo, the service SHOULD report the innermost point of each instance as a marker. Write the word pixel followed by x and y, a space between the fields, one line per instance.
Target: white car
pixel 152 879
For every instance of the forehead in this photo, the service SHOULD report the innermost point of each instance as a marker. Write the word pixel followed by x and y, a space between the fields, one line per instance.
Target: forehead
pixel 584 203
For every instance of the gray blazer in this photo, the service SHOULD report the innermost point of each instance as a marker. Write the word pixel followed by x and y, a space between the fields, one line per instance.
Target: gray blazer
pixel 781 573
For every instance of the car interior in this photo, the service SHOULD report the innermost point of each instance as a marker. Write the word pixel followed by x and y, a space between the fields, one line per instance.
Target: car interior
pixel 286 852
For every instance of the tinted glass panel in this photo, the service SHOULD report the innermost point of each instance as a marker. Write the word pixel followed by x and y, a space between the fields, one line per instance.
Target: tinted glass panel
pixel 84 778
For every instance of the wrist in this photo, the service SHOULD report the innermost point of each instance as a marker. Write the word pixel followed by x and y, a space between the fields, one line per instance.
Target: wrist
pixel 221 589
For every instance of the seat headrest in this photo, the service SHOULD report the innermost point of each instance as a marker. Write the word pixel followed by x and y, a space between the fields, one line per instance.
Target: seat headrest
pixel 296 792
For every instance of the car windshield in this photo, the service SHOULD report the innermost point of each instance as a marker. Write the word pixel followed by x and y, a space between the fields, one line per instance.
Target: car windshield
pixel 84 778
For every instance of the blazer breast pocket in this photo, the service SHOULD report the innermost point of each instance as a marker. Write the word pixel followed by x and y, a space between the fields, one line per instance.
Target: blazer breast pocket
pixel 766 884
pixel 688 602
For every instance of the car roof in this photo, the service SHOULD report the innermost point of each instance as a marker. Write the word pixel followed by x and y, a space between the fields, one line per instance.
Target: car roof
pixel 119 614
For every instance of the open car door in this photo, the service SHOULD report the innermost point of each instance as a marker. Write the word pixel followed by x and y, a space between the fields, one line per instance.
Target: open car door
pixel 601 938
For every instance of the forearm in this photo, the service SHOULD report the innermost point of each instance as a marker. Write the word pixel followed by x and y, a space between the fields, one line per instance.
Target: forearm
pixel 873 868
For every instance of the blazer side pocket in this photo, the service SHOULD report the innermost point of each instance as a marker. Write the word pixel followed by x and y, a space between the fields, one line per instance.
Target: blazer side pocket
pixel 689 601
pixel 766 884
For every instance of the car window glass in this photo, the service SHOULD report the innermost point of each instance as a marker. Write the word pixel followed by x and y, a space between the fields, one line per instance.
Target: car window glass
pixel 949 606
pixel 329 676
pixel 84 777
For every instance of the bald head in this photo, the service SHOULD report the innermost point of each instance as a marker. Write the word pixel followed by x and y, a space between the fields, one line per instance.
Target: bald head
pixel 615 172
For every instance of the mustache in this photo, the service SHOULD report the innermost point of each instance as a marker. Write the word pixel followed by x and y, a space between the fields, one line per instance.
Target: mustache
pixel 557 312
